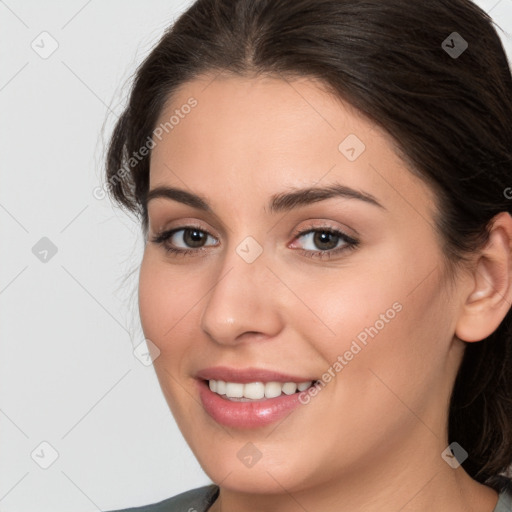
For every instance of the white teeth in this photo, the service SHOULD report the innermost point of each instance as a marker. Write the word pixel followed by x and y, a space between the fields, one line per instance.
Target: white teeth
pixel 304 385
pixel 273 389
pixel 221 387
pixel 289 388
pixel 234 390
pixel 256 390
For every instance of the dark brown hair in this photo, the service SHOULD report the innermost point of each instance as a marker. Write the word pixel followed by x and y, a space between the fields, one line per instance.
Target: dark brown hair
pixel 449 113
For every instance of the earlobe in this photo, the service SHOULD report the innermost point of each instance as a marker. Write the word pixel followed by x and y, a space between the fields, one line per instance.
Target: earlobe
pixel 490 297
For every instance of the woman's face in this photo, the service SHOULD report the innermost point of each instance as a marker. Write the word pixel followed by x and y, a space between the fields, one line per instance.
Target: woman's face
pixel 271 292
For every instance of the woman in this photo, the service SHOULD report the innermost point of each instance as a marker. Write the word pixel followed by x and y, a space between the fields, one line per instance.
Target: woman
pixel 323 186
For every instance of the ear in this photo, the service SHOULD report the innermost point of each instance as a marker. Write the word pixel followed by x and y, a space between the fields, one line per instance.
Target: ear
pixel 490 296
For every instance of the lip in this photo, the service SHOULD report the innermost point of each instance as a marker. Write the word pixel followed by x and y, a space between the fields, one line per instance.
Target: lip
pixel 246 375
pixel 246 415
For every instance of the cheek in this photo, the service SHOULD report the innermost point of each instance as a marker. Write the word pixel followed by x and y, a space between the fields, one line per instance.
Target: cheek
pixel 380 319
pixel 166 303
pixel 361 301
pixel 167 314
pixel 152 300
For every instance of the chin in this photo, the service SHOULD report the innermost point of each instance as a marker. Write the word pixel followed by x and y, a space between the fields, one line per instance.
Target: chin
pixel 262 468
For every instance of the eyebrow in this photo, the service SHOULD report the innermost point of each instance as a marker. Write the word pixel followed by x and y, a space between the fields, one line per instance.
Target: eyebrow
pixel 282 202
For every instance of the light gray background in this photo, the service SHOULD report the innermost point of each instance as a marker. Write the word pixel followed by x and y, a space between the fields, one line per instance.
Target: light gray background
pixel 68 375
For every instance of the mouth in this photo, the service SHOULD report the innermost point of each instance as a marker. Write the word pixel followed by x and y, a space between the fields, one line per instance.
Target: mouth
pixel 256 391
pixel 250 398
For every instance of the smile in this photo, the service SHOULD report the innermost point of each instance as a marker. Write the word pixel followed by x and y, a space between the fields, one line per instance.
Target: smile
pixel 249 398
pixel 237 391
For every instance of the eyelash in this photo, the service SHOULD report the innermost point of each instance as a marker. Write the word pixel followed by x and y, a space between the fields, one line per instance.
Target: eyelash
pixel 350 242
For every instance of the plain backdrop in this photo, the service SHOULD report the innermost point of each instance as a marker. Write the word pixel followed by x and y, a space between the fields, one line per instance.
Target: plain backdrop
pixel 83 423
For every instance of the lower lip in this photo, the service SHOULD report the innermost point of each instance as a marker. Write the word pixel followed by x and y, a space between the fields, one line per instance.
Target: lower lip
pixel 246 414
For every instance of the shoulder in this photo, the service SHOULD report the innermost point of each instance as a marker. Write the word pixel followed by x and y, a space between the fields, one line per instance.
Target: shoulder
pixel 505 496
pixel 504 502
pixel 195 500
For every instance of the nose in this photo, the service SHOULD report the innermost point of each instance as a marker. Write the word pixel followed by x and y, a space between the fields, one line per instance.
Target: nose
pixel 241 305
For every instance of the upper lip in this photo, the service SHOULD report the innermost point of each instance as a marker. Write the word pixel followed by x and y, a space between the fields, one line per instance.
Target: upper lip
pixel 246 375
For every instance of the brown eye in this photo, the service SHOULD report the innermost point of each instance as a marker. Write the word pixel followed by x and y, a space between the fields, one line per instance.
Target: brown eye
pixel 193 237
pixel 322 240
pixel 185 240
pixel 325 240
pixel 324 243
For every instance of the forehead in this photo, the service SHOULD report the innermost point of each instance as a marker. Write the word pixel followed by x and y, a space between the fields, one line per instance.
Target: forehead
pixel 261 113
pixel 266 133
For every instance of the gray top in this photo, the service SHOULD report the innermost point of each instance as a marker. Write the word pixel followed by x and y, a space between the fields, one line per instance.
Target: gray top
pixel 196 500
pixel 202 498
pixel 504 503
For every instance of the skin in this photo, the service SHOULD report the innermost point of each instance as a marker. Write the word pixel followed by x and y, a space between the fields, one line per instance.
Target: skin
pixel 372 439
